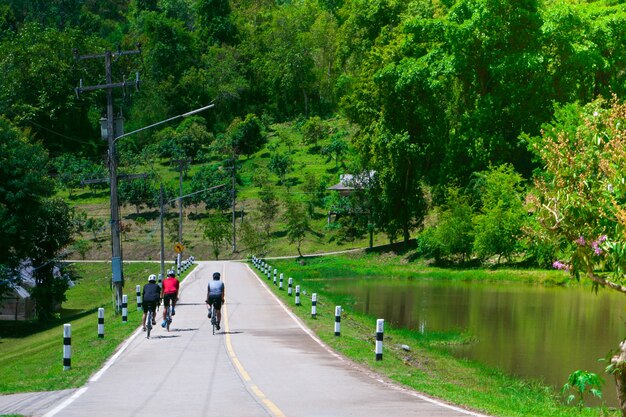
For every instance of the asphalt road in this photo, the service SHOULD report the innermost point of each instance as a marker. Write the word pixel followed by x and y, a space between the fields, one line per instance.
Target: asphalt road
pixel 263 362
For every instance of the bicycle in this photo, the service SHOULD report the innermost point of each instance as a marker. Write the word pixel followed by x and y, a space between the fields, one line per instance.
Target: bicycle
pixel 149 320
pixel 213 317
pixel 168 317
pixel 149 324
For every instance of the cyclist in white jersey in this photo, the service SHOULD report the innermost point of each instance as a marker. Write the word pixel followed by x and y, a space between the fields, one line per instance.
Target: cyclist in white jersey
pixel 215 296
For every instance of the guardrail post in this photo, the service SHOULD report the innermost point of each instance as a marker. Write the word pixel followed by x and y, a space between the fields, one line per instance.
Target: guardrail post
pixel 280 283
pixel 337 320
pixel 380 327
pixel 275 283
pixel 101 323
pixel 297 295
pixel 290 286
pixel 124 308
pixel 314 305
pixel 67 346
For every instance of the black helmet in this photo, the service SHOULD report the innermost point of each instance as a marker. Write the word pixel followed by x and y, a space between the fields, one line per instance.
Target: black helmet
pixel 216 275
pixel 171 273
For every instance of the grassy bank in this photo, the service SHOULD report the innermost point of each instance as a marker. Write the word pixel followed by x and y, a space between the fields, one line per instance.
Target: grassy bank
pixel 427 367
pixel 31 353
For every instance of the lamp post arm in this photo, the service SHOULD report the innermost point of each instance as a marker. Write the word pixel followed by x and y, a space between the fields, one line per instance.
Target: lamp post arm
pixel 180 116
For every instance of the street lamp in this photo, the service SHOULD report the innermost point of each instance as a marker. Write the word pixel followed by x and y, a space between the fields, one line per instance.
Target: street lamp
pixel 113 132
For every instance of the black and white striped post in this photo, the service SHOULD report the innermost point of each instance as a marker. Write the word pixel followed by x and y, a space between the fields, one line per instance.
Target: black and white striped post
pixel 160 281
pixel 138 291
pixel 297 295
pixel 269 273
pixel 290 286
pixel 280 281
pixel 314 305
pixel 337 320
pixel 380 327
pixel 275 282
pixel 67 346
pixel 124 308
pixel 101 323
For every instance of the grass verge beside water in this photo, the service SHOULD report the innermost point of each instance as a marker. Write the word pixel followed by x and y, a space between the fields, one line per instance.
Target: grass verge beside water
pixel 31 354
pixel 428 367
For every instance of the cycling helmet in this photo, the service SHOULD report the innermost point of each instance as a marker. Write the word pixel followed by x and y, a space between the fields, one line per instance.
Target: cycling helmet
pixel 151 278
pixel 216 275
pixel 171 273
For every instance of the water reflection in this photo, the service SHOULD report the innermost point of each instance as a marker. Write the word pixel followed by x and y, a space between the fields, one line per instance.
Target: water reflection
pixel 531 331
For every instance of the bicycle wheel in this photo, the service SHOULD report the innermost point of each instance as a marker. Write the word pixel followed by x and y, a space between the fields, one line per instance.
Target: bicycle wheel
pixel 148 325
pixel 213 319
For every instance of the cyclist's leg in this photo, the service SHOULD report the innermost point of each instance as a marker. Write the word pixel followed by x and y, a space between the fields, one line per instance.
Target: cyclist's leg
pixel 166 304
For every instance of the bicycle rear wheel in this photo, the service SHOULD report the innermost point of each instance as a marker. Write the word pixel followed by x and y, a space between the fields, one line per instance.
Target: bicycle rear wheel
pixel 148 325
pixel 213 319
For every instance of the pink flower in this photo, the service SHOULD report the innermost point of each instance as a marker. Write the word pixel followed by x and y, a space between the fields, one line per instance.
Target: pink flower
pixel 560 265
pixel 580 241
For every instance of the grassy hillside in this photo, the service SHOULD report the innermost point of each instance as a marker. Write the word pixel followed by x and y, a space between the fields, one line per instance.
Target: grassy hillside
pixel 142 240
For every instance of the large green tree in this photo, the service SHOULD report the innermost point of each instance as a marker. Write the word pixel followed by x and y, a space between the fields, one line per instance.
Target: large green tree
pixel 35 226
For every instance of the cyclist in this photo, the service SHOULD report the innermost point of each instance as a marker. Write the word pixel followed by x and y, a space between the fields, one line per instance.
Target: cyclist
pixel 170 294
pixel 215 297
pixel 150 299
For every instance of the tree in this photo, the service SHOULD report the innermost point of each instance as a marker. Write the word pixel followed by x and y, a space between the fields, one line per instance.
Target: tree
pixel 336 148
pixel 34 226
pixel 217 230
pixel 297 223
pixel 580 197
pixel 244 137
pixel 268 208
pixel 280 164
pixel 207 177
pixel 138 193
pixel 498 225
pixel 452 234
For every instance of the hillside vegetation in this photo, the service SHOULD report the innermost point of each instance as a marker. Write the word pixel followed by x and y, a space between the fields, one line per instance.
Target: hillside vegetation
pixel 482 129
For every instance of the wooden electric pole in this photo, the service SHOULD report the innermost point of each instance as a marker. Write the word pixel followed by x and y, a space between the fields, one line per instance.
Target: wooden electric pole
pixel 116 247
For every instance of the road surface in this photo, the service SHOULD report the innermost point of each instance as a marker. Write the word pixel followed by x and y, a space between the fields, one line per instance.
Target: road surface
pixel 263 362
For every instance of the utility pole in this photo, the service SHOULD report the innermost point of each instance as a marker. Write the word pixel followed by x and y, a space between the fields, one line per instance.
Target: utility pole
pixel 162 234
pixel 234 201
pixel 116 247
pixel 182 163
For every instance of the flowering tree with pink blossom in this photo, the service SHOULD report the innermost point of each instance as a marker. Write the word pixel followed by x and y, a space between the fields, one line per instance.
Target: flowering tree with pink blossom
pixel 580 198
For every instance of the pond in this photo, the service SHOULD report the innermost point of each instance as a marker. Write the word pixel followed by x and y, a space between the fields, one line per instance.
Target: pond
pixel 538 332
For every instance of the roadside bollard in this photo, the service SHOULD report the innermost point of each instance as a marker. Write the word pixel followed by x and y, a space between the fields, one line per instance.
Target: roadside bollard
pixel 280 283
pixel 380 326
pixel 101 323
pixel 138 290
pixel 290 286
pixel 124 308
pixel 338 321
pixel 275 282
pixel 67 346
pixel 297 295
pixel 160 281
pixel 314 305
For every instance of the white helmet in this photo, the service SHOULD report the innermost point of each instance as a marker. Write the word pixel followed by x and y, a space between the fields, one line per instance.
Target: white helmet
pixel 152 278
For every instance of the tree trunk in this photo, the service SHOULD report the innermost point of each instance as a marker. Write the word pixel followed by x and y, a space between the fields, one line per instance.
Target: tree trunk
pixel 619 361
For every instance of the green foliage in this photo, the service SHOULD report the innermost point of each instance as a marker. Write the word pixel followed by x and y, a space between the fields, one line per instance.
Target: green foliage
pixel 268 208
pixel 217 230
pixel 498 226
pixel 244 137
pixel 207 177
pixel 280 164
pixel 452 235
pixel 297 222
pixel 582 383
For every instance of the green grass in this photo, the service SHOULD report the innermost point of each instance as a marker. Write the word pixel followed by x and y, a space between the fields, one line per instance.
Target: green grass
pixel 428 367
pixel 31 353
